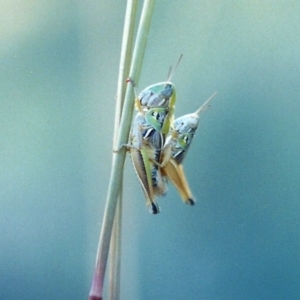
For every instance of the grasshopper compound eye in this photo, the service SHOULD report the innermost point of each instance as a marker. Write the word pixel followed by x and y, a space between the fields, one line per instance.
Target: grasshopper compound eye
pixel 168 91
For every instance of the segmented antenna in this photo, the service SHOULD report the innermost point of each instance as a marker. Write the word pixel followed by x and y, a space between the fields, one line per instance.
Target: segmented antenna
pixel 170 73
pixel 205 105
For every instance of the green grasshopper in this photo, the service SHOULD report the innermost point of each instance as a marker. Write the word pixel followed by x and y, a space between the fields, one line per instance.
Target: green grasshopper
pixel 175 150
pixel 143 141
pixel 151 126
pixel 149 130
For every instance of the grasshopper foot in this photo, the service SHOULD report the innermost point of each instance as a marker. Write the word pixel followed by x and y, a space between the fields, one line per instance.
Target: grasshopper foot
pixel 191 202
pixel 154 209
pixel 127 146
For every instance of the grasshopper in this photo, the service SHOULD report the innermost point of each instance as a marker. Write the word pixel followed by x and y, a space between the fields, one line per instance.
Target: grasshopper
pixel 150 128
pixel 142 138
pixel 175 150
pixel 155 106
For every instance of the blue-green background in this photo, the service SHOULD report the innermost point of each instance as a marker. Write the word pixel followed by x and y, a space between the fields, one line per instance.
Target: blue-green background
pixel 59 64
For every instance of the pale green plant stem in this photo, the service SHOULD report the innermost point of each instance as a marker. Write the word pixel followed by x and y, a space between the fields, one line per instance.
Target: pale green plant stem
pixel 125 61
pixel 115 182
pixel 115 254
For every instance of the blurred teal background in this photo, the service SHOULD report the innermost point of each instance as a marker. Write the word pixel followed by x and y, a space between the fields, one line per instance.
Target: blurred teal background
pixel 59 65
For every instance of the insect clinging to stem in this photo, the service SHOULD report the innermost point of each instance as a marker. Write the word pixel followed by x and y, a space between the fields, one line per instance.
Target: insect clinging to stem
pixel 158 144
pixel 176 148
pixel 150 127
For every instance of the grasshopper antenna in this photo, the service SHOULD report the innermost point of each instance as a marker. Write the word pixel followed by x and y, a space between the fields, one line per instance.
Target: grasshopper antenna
pixel 172 72
pixel 205 105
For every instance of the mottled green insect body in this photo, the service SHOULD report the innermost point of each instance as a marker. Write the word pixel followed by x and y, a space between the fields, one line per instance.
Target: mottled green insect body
pixel 146 144
pixel 183 132
pixel 151 125
pixel 159 144
pixel 176 148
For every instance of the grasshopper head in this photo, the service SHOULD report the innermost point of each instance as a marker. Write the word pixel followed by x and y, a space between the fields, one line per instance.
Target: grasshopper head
pixel 158 95
pixel 187 123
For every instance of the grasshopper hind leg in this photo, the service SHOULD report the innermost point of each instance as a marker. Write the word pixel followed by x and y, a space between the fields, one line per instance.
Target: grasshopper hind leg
pixel 174 172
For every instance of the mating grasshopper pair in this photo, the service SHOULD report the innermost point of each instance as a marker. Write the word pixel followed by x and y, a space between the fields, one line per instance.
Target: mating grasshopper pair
pixel 158 144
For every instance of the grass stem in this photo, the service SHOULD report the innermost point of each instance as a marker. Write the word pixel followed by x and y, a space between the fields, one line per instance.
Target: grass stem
pixel 115 183
pixel 125 62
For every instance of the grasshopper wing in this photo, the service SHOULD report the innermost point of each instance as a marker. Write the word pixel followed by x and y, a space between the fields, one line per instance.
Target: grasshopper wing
pixel 142 166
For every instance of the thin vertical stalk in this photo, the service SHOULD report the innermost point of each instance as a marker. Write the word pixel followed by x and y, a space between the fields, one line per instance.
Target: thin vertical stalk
pixel 96 292
pixel 115 254
pixel 125 61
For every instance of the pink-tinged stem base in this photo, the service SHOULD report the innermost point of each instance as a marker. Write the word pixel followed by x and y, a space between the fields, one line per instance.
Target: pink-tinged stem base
pixel 94 298
pixel 97 287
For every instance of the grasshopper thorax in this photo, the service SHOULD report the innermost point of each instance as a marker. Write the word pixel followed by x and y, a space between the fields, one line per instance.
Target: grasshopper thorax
pixel 156 117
